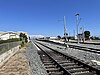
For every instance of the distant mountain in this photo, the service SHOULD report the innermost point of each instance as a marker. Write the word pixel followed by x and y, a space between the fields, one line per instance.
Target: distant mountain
pixel 36 36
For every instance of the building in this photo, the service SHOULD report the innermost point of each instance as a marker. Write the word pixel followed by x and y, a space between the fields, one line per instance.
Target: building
pixel 53 38
pixel 10 35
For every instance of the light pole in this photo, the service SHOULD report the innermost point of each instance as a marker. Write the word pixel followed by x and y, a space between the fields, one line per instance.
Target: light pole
pixel 65 33
pixel 65 29
pixel 77 27
pixel 83 34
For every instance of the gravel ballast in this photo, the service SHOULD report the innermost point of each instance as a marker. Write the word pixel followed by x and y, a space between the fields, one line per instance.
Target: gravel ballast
pixel 36 66
pixel 85 56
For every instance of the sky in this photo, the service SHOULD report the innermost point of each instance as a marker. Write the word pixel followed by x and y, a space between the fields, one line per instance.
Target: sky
pixel 45 17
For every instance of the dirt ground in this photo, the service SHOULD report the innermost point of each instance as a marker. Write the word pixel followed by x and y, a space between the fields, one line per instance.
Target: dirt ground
pixel 17 65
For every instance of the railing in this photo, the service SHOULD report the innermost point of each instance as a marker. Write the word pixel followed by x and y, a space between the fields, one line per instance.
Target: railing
pixel 7 46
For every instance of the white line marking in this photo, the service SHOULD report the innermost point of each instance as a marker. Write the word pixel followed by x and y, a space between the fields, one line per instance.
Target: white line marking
pixel 35 46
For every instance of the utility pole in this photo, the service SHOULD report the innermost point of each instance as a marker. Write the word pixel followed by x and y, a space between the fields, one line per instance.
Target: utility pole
pixel 77 27
pixel 83 34
pixel 74 33
pixel 65 29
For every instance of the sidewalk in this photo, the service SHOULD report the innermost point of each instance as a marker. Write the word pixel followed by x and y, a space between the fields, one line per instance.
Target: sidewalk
pixel 17 65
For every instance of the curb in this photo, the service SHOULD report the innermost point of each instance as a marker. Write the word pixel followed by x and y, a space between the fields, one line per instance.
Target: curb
pixel 7 55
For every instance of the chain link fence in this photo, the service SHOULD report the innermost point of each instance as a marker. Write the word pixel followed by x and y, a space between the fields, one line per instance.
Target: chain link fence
pixel 7 46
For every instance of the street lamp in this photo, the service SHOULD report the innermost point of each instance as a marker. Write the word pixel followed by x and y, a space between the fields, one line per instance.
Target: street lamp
pixel 77 27
pixel 65 34
pixel 83 34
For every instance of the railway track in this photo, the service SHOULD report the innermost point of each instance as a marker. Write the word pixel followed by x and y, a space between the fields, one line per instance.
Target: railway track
pixel 87 43
pixel 57 63
pixel 93 50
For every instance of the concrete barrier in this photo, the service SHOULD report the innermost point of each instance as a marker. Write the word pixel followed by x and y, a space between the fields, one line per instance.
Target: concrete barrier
pixel 5 56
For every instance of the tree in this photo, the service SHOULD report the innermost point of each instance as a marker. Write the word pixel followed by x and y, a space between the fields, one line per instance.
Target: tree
pixel 23 37
pixel 59 37
pixel 92 37
pixel 87 34
pixel 65 36
pixel 95 38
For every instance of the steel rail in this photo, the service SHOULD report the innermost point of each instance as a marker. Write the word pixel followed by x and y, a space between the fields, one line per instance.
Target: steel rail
pixel 92 69
pixel 61 68
pixel 93 50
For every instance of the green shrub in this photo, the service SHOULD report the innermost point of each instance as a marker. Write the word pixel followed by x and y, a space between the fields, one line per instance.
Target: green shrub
pixel 22 44
pixel 9 40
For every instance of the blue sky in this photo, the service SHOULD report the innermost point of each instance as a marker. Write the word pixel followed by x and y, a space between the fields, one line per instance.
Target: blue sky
pixel 41 16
